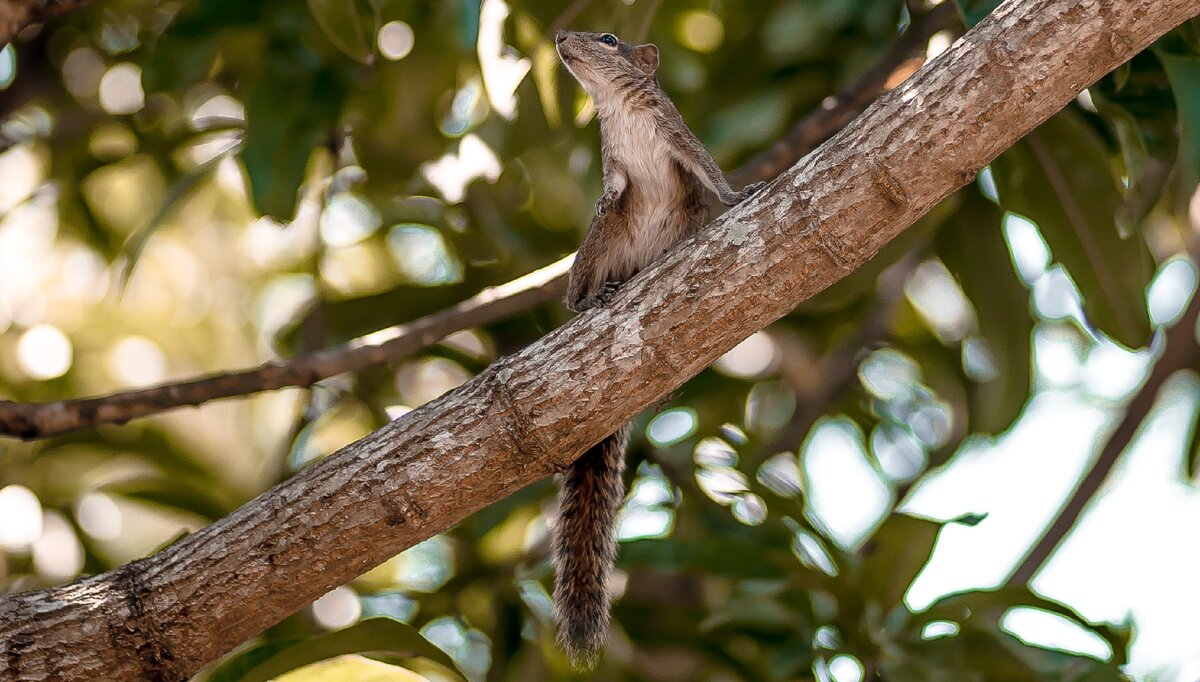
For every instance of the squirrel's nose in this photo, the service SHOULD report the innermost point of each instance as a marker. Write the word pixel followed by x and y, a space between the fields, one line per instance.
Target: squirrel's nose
pixel 560 36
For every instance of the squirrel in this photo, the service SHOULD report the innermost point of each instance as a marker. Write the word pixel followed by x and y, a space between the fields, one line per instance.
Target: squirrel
pixel 655 171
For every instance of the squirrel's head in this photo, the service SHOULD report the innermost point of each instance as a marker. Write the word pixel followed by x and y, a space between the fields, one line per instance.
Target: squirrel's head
pixel 601 61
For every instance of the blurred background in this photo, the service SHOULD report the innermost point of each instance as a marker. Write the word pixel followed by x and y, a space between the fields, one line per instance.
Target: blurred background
pixel 974 458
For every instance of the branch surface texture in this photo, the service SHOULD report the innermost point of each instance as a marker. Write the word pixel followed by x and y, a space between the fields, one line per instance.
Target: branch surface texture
pixel 530 414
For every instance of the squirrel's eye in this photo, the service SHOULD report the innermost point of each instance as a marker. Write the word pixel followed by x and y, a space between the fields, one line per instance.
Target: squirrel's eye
pixel 609 39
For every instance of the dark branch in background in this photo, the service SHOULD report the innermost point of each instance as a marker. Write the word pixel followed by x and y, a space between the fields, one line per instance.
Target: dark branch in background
pixel 644 29
pixel 16 15
pixel 42 420
pixel 1179 352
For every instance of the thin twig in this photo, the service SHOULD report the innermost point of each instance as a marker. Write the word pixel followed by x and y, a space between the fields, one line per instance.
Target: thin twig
pixel 1179 352
pixel 644 29
pixel 41 420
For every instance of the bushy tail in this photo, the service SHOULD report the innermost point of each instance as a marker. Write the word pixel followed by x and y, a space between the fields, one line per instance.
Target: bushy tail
pixel 585 547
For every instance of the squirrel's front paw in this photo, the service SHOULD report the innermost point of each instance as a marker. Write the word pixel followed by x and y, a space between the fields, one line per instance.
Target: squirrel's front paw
pixel 602 297
pixel 608 291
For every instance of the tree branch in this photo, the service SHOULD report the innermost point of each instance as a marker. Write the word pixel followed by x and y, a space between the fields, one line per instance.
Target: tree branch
pixel 15 15
pixel 532 413
pixel 30 421
pixel 1179 352
pixel 41 420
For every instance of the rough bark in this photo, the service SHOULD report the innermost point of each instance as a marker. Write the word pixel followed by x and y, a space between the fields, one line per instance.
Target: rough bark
pixel 531 413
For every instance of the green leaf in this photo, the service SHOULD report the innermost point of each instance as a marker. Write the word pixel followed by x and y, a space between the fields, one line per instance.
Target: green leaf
pixel 989 654
pixel 707 556
pixel 352 669
pixel 1191 451
pixel 187 494
pixel 970 655
pixel 342 22
pixel 288 114
pixel 894 556
pixel 1139 109
pixel 975 252
pixel 234 668
pixel 1058 176
pixel 380 634
pixel 975 11
pixel 990 605
pixel 1184 74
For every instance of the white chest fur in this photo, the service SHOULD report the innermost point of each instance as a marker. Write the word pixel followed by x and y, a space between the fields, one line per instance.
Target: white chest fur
pixel 642 153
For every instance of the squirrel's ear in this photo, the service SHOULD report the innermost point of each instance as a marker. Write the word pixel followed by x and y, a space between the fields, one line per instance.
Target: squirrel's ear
pixel 646 58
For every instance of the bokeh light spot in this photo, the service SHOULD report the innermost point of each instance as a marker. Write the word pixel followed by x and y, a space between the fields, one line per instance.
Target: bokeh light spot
pixel 20 518
pixel 99 516
pixel 1043 628
pixel 700 30
pixel 20 173
pixel 121 89
pixel 451 173
pixel 82 70
pixel 348 219
pixel 423 380
pixel 421 254
pixel 44 352
pixel 939 628
pixel 845 668
pixel 672 426
pixel 889 374
pixel 754 357
pixel 8 66
pixel 1170 290
pixel 57 553
pixel 137 361
pixel 722 485
pixel 749 509
pixel 781 474
pixel 712 452
pixel 337 609
pixel 395 40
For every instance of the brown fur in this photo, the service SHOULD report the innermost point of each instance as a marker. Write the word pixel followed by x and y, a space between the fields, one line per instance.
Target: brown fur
pixel 585 546
pixel 655 171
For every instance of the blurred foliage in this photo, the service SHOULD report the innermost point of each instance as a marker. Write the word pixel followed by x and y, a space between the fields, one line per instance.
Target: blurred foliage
pixel 197 186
